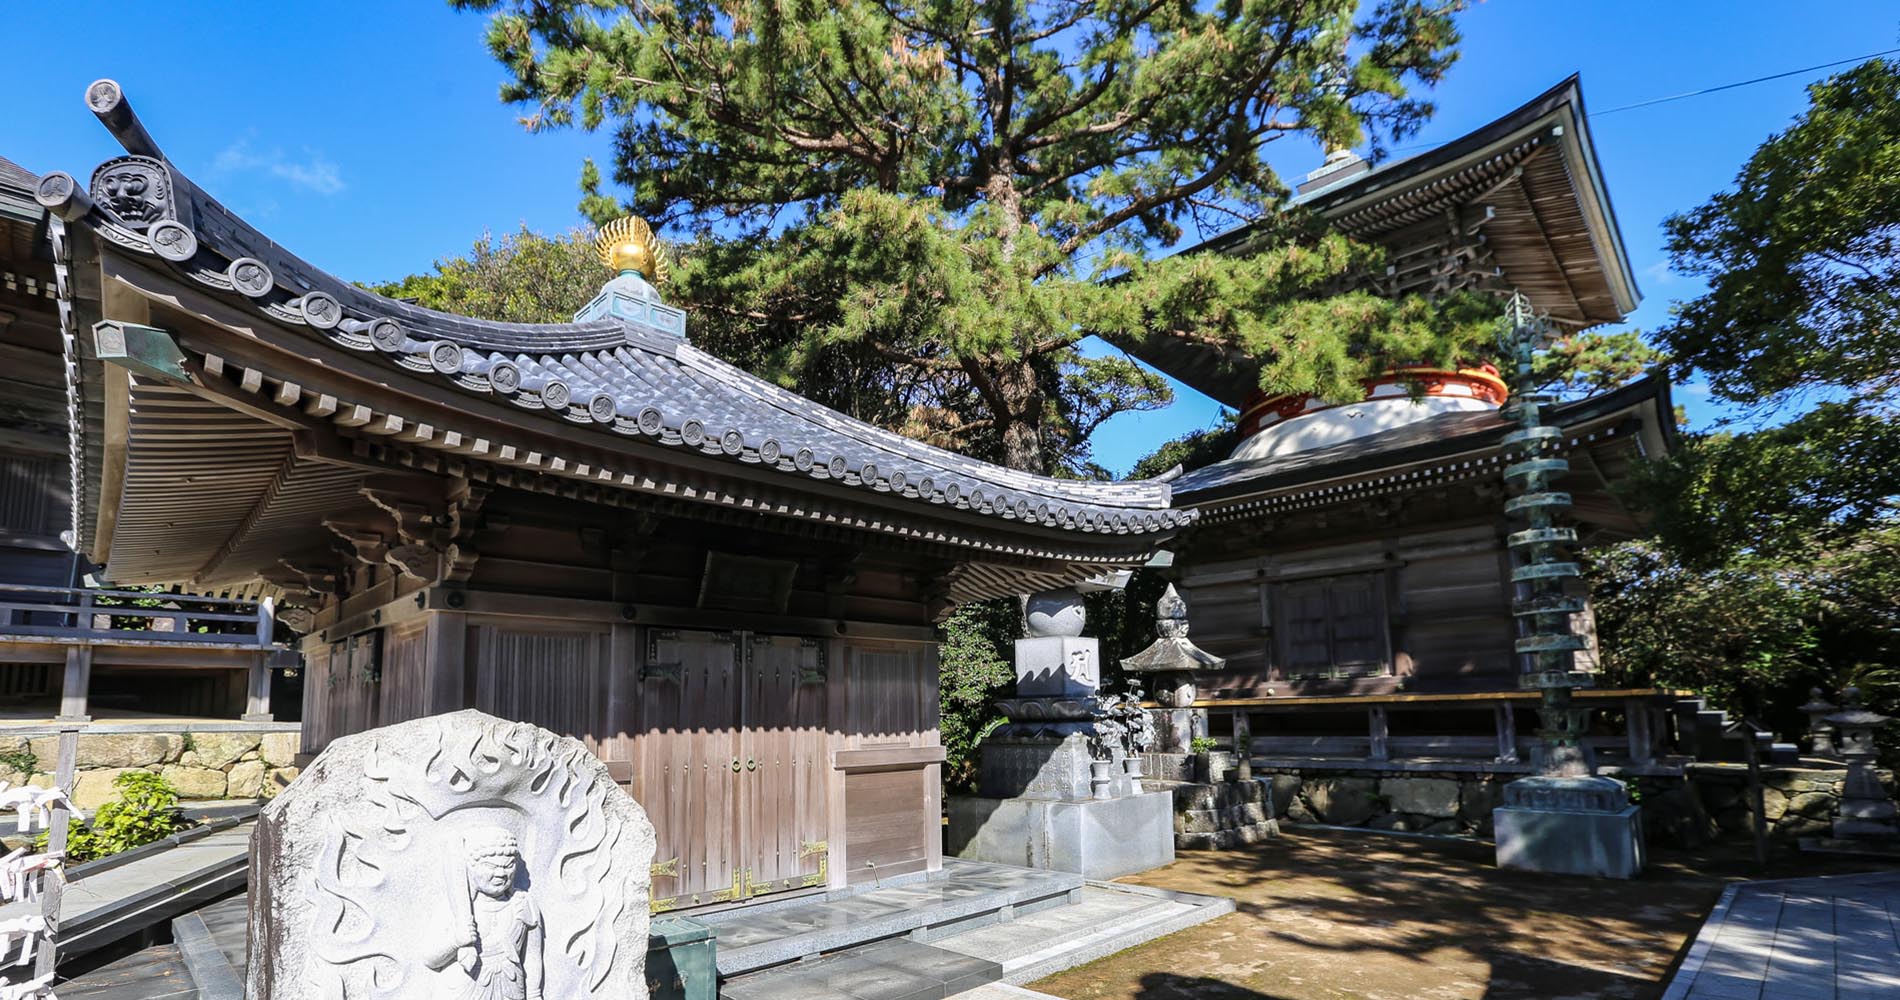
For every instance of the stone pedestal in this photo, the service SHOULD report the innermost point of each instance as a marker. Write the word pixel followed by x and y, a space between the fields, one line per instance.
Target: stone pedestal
pixel 1569 826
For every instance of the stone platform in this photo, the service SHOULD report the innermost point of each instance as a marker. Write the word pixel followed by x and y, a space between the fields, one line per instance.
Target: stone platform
pixel 764 935
pixel 966 931
pixel 1803 938
pixel 1095 838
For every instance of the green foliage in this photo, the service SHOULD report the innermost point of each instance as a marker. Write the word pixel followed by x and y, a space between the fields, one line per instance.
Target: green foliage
pixel 1190 451
pixel 975 668
pixel 1582 364
pixel 145 812
pixel 1203 744
pixel 1753 633
pixel 523 277
pixel 1773 567
pixel 928 193
pixel 1800 257
pixel 22 761
pixel 1815 483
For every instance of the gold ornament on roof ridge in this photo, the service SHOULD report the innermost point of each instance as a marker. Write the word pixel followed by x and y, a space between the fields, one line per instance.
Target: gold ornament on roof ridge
pixel 628 244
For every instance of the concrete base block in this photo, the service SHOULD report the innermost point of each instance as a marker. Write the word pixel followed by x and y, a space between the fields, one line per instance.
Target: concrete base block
pixel 1098 839
pixel 1566 842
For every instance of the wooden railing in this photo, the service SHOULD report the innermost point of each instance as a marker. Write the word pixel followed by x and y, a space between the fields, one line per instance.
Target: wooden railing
pixel 1248 723
pixel 129 615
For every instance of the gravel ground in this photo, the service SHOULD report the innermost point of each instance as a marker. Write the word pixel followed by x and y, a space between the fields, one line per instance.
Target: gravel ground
pixel 1324 915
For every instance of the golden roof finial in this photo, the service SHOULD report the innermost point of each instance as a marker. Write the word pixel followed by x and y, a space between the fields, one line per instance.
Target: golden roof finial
pixel 628 244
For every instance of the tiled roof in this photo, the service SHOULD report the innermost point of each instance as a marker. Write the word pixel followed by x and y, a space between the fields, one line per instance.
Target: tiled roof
pixel 608 377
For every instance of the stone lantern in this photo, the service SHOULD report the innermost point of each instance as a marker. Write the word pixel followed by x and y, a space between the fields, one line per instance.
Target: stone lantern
pixel 1820 733
pixel 1866 810
pixel 1172 660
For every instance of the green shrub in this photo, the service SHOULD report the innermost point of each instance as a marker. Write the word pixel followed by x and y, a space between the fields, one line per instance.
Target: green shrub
pixel 145 812
pixel 1203 744
pixel 21 760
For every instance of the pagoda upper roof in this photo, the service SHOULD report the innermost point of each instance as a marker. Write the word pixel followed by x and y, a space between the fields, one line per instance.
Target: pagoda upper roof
pixel 1518 204
pixel 588 381
pixel 1448 447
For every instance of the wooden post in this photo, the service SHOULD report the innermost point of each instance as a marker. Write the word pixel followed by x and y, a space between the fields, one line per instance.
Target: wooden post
pixel 257 693
pixel 1507 733
pixel 53 884
pixel 1379 730
pixel 1755 803
pixel 1243 745
pixel 72 697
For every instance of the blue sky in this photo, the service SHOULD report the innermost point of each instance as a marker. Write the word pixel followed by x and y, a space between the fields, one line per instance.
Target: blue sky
pixel 369 138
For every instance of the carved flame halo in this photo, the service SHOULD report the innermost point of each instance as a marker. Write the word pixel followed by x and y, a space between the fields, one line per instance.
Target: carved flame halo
pixel 407 818
pixel 628 244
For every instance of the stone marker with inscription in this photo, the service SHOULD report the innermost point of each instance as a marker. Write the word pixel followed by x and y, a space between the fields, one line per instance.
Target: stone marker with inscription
pixel 460 857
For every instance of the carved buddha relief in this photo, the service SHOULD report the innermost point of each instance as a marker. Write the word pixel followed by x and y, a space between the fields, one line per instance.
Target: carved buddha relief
pixel 137 189
pixel 498 937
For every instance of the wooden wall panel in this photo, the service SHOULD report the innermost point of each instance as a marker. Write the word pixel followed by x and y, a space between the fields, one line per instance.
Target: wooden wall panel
pixel 403 692
pixel 891 693
pixel 552 675
pixel 883 836
pixel 1457 627
pixel 318 728
pixel 35 494
pixel 888 821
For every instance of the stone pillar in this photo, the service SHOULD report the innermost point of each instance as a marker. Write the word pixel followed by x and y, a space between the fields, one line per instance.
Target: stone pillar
pixel 1820 731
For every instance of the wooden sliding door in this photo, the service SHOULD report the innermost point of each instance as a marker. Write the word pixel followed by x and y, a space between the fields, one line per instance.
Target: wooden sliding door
pixel 731 765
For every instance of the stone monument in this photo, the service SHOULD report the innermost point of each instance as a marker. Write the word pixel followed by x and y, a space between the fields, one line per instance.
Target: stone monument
pixel 459 857
pixel 1052 793
pixel 1566 818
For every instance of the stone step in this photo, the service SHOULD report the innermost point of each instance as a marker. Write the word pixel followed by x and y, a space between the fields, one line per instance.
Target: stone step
pixel 897 969
pixel 964 894
pixel 1105 918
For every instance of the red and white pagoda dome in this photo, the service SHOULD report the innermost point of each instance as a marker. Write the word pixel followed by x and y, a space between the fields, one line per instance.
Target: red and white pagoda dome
pixel 1279 426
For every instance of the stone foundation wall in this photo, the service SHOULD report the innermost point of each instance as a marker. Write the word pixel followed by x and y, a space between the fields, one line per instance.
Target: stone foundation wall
pixel 1708 802
pixel 1414 802
pixel 221 765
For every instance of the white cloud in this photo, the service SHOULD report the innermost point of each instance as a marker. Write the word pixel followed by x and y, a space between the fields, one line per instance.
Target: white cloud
pixel 1660 273
pixel 312 173
pixel 318 174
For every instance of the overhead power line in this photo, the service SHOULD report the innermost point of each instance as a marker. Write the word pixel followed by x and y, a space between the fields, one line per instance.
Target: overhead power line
pixel 1740 83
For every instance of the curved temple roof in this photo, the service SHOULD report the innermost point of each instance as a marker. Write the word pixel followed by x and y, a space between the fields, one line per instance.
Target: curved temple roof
pixel 609 378
pixel 1519 203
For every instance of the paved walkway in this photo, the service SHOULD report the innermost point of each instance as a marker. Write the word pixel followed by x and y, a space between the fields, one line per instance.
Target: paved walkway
pixel 1828 938
pixel 154 884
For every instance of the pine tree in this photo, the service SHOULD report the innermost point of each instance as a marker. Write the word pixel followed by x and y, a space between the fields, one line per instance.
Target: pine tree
pixel 935 190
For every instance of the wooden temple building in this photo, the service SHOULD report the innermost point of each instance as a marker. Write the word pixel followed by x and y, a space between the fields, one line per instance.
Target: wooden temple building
pixel 725 589
pixel 1350 562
